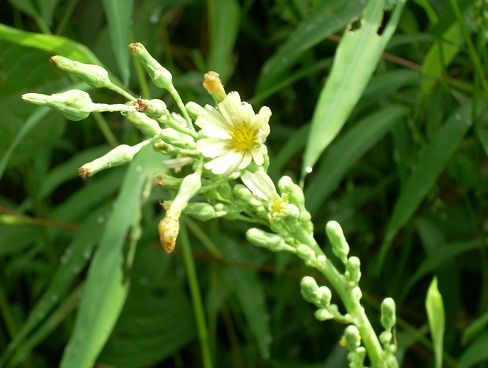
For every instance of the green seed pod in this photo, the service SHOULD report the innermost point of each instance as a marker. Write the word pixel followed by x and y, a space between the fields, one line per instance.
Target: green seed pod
pixel 74 105
pixel 152 108
pixel 94 75
pixel 119 155
pixel 159 75
pixel 267 240
pixel 144 123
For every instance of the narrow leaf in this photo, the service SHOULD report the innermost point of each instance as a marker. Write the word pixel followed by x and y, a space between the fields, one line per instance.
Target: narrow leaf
pixel 107 282
pixel 355 61
pixel 429 166
pixel 50 43
pixel 346 151
pixel 119 17
pixel 435 313
pixel 329 17
pixel 224 19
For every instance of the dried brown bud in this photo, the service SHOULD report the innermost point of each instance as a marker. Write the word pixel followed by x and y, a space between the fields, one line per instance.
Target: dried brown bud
pixel 168 228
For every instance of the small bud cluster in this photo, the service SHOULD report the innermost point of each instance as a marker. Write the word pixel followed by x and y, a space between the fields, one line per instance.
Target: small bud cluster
pixel 321 298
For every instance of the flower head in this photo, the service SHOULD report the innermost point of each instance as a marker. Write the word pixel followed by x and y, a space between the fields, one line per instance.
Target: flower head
pixel 261 185
pixel 232 135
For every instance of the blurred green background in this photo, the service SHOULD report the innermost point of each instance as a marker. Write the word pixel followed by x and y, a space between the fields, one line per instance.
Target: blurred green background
pixel 407 178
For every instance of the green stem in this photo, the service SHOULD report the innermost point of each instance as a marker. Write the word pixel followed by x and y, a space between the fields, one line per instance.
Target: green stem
pixel 196 298
pixel 172 90
pixel 107 133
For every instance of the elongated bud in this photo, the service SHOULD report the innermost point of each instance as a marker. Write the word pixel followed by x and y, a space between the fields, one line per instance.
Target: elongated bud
pixel 353 271
pixel 214 87
pixel 159 75
pixel 338 241
pixel 74 105
pixel 152 108
pixel 171 136
pixel 352 338
pixel 200 211
pixel 168 229
pixel 190 186
pixel 94 75
pixel 194 109
pixel 267 240
pixel 119 155
pixel 388 313
pixel 144 123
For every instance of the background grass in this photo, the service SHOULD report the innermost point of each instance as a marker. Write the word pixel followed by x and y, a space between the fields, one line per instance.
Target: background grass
pixel 407 178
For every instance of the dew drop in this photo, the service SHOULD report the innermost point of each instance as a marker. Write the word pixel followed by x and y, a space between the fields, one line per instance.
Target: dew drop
pixel 101 219
pixel 138 168
pixel 308 169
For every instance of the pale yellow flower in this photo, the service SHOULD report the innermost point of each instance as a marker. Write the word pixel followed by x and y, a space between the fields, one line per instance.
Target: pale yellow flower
pixel 232 135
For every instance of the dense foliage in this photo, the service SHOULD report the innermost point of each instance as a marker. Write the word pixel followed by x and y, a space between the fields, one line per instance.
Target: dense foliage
pixel 406 177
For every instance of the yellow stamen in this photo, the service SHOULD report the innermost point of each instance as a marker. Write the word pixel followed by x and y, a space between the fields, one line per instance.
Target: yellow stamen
pixel 243 138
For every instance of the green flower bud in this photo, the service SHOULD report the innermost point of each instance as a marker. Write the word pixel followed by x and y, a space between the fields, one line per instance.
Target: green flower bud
pixel 388 314
pixel 189 188
pixel 339 243
pixel 119 155
pixel 168 181
pixel 144 123
pixel 74 105
pixel 245 194
pixel 178 139
pixel 309 289
pixel 267 240
pixel 152 108
pixel 194 109
pixel 352 338
pixel 201 211
pixel 295 192
pixel 353 271
pixel 94 75
pixel 159 75
pixel 323 315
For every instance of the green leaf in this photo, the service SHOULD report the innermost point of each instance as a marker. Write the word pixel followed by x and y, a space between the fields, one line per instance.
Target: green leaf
pixel 328 18
pixel 248 289
pixel 224 19
pixel 476 353
pixel 347 150
pixel 71 264
pixel 150 329
pixel 355 61
pixel 437 320
pixel 107 281
pixel 49 43
pixel 430 164
pixel 119 18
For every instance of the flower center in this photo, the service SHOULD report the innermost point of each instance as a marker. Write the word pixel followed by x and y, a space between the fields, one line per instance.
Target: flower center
pixel 243 137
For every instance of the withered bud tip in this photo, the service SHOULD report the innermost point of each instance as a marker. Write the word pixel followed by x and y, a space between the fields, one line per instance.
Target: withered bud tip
pixel 140 105
pixel 168 229
pixel 84 173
